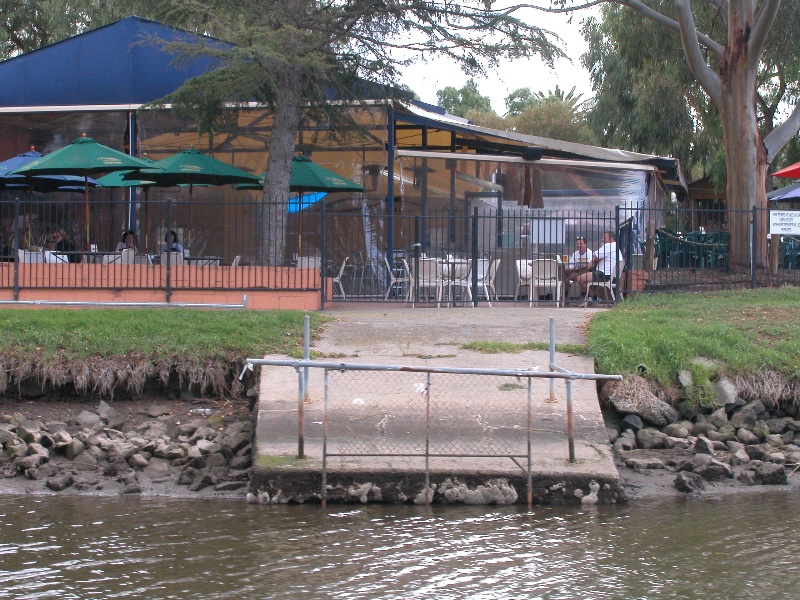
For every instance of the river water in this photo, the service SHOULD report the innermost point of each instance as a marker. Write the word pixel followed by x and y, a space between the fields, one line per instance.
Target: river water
pixel 743 546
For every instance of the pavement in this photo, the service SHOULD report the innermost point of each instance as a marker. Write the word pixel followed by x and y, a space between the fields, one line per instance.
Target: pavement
pixel 382 414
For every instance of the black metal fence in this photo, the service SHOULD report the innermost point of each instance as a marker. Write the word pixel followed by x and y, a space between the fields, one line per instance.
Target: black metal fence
pixel 488 255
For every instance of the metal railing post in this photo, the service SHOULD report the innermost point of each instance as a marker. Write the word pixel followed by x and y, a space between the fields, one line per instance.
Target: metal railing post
pixel 306 353
pixel 754 249
pixel 474 282
pixel 552 358
pixel 300 416
pixel 16 248
pixel 324 494
pixel 570 423
pixel 169 253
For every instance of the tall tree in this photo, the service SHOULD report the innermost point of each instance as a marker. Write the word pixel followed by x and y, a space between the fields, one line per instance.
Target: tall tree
pixel 459 102
pixel 291 53
pixel 728 72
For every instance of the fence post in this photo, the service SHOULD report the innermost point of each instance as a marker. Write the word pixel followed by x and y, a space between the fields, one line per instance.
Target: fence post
pixel 552 358
pixel 324 261
pixel 169 248
pixel 570 423
pixel 616 257
pixel 474 282
pixel 16 249
pixel 754 249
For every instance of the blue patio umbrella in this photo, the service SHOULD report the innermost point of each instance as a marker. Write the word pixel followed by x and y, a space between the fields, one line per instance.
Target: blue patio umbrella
pixel 38 183
pixel 790 193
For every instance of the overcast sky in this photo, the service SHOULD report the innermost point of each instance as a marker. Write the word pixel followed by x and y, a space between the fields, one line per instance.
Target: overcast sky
pixel 426 78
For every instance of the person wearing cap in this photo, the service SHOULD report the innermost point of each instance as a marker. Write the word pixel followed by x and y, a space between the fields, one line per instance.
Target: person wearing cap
pixel 579 259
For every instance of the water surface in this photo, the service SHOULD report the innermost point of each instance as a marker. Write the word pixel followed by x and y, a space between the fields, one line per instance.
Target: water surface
pixel 79 547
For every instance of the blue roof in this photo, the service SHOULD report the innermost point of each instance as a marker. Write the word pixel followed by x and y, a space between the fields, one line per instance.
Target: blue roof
pixel 102 66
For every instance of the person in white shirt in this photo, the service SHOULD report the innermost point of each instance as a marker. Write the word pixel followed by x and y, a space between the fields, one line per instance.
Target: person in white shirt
pixel 603 264
pixel 580 258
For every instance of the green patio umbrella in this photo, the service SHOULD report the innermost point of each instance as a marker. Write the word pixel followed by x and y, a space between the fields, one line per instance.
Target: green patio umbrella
pixel 307 176
pixel 191 167
pixel 83 157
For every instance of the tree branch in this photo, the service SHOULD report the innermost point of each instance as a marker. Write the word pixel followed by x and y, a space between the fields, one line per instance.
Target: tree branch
pixel 781 135
pixel 706 77
pixel 653 15
pixel 761 28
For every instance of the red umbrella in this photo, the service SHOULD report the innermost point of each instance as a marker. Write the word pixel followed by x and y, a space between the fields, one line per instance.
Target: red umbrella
pixel 790 172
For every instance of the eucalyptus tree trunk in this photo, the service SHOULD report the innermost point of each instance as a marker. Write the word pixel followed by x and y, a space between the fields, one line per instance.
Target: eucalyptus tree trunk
pixel 286 121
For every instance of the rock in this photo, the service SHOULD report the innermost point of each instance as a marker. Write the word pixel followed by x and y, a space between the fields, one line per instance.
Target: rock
pixel 756 406
pixel 73 449
pixel 29 462
pixel 777 426
pixel 725 391
pixel 650 438
pixel 715 471
pixel 774 440
pixel 60 482
pixel 34 448
pixel 132 488
pixel 725 434
pixel 687 410
pixel 88 420
pixel 676 442
pixel 702 429
pixel 685 379
pixel 240 440
pixel 739 457
pixel 770 474
pixel 677 430
pixel 689 482
pixel 775 457
pixel 755 452
pixel 240 462
pixel 633 396
pixel 215 460
pixel 137 461
pixel 718 418
pixel 747 437
pixel 644 463
pixel 156 410
pixel 745 417
pixel 612 433
pixel 85 462
pixel 29 431
pixel 157 467
pixel 747 478
pixel 761 429
pixel 703 445
pixel 624 444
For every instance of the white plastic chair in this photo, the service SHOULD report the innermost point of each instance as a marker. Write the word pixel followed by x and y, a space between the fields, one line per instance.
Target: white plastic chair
pixel 112 258
pixel 236 260
pixel 128 256
pixel 430 278
pixel 487 271
pixel 546 277
pixel 399 278
pixel 524 274
pixel 608 286
pixel 175 258
pixel 54 257
pixel 337 280
pixel 309 262
pixel 455 276
pixel 26 256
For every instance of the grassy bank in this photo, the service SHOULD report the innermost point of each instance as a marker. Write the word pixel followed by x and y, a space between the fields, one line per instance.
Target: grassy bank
pixel 158 334
pixel 110 349
pixel 749 332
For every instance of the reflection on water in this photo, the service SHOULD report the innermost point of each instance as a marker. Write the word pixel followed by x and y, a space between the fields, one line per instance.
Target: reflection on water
pixel 74 547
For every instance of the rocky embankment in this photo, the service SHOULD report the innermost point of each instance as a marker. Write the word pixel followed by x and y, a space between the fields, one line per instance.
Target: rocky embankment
pixel 736 442
pixel 168 448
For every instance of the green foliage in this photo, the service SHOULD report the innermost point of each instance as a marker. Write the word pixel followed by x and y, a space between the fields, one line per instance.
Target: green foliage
pixel 460 102
pixel 177 334
pixel 746 331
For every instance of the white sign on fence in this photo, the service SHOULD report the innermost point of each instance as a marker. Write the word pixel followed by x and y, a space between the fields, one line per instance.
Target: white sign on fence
pixel 784 222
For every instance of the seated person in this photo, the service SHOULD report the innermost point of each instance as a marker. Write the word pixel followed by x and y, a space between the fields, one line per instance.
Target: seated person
pixel 127 242
pixel 172 244
pixel 603 263
pixel 579 259
pixel 50 243
pixel 65 246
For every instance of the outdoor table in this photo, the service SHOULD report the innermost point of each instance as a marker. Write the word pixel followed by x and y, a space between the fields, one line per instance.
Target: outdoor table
pixel 203 261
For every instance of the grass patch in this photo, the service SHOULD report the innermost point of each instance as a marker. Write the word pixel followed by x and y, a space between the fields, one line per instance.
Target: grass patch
pixel 508 387
pixel 748 331
pixel 196 336
pixel 284 460
pixel 511 348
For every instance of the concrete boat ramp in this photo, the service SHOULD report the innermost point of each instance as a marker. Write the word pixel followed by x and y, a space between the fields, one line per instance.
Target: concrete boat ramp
pixel 465 440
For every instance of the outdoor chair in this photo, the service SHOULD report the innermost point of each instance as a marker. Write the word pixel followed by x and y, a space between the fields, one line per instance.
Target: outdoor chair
pixel 54 257
pixel 236 260
pixel 524 274
pixel 128 256
pixel 175 258
pixel 110 258
pixel 429 279
pixel 27 256
pixel 545 276
pixel 455 276
pixel 399 279
pixel 487 271
pixel 606 286
pixel 337 279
